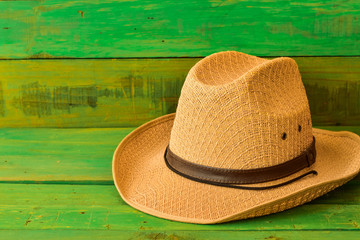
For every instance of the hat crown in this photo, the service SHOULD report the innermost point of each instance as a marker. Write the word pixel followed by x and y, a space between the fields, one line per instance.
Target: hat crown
pixel 241 112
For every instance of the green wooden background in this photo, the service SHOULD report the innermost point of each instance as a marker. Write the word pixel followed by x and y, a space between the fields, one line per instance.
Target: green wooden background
pixel 122 63
pixel 77 76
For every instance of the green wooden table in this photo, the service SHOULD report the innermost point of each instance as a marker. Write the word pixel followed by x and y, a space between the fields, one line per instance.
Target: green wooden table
pixel 77 76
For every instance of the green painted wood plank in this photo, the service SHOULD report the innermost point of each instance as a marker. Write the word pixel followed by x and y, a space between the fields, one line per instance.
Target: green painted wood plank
pixel 333 89
pixel 175 235
pixel 129 92
pixel 70 155
pixel 108 28
pixel 107 195
pixel 124 217
pixel 51 154
pixel 100 207
pixel 89 93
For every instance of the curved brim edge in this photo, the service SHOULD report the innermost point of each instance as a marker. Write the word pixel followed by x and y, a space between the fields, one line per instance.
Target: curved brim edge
pixel 236 216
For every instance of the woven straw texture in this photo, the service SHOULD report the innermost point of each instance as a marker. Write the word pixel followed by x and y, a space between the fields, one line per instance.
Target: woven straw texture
pixel 233 112
pixel 240 123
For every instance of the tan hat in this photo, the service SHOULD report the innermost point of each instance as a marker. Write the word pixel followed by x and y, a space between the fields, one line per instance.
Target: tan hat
pixel 240 145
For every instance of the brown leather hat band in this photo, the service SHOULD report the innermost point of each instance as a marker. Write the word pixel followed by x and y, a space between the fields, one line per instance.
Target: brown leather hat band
pixel 235 176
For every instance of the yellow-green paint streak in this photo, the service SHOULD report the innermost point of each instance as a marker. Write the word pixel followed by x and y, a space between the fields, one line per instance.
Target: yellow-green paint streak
pixel 2 101
pixel 150 28
pixel 89 93
pixel 129 92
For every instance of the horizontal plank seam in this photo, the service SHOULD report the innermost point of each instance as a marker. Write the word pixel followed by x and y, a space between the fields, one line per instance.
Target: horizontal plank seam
pixel 199 230
pixel 134 127
pixel 170 57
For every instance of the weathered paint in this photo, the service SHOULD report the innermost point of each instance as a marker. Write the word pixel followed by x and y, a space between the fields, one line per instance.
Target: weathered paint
pixel 129 92
pixel 333 89
pixel 89 93
pixel 138 28
pixel 2 101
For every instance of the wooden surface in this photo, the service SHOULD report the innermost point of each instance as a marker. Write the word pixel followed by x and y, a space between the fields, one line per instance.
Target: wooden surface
pixel 77 76
pixel 129 92
pixel 138 28
pixel 65 186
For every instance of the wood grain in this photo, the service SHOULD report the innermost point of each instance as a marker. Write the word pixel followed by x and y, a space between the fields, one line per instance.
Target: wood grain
pixel 129 92
pixel 101 208
pixel 66 156
pixel 137 28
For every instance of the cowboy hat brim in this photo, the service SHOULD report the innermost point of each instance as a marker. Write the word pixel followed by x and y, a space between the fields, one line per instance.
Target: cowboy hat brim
pixel 147 184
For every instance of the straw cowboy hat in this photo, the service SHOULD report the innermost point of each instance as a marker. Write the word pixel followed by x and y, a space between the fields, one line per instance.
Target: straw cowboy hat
pixel 240 145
